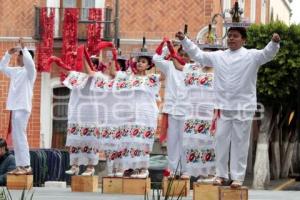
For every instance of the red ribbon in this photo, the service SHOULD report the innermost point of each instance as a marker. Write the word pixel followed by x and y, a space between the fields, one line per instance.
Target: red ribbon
pixel 213 126
pixel 103 45
pixel 173 53
pixel 8 135
pixel 163 127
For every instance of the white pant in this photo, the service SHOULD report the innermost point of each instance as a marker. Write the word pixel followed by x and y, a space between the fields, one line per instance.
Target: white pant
pixel 232 135
pixel 175 143
pixel 19 122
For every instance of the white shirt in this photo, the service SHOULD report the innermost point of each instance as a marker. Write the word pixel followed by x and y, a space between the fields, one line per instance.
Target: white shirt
pixel 21 82
pixel 175 100
pixel 235 73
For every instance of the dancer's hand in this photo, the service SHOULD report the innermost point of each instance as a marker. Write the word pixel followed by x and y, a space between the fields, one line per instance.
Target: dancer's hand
pixel 180 35
pixel 276 38
pixel 12 51
pixel 21 41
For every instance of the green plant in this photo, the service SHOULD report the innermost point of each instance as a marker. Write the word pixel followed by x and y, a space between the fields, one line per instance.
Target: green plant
pixel 5 195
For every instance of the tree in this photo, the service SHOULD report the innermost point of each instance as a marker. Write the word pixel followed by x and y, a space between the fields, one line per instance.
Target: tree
pixel 277 87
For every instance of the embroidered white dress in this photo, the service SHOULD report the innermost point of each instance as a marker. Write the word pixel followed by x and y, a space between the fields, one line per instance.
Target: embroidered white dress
pixel 136 115
pixel 198 141
pixel 82 135
pixel 106 118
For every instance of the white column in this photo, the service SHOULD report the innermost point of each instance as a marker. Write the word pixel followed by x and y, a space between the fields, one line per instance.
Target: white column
pixel 46 113
pixel 253 11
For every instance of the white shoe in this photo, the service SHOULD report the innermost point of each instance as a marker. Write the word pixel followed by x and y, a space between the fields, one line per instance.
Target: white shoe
pixel 185 175
pixel 143 174
pixel 236 184
pixel 73 171
pixel 135 174
pixel 208 180
pixel 118 174
pixel 89 172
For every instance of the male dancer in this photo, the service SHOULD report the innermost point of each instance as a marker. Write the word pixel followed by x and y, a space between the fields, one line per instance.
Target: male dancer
pixel 235 85
pixel 19 102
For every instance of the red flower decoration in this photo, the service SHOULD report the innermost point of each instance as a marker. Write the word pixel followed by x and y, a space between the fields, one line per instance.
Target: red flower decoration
pixel 73 129
pixel 192 157
pixel 135 82
pixel 73 150
pixel 85 149
pixel 134 132
pixel 147 134
pixel 104 133
pixel 199 128
pixel 111 83
pixel 73 81
pixel 122 85
pixel 100 83
pixel 203 80
pixel 97 133
pixel 207 157
pixel 85 131
pixel 136 152
pixel 113 156
pixel 166 173
pixel 118 134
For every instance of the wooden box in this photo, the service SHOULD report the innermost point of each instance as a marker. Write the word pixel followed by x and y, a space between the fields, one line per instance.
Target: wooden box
pixel 84 183
pixel 19 182
pixel 204 191
pixel 227 193
pixel 175 187
pixel 112 185
pixel 136 186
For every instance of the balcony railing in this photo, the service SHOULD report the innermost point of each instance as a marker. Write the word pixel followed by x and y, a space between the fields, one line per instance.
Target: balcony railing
pixel 83 22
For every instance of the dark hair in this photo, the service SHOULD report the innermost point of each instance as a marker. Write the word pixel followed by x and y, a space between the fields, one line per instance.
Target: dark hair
pixel 149 59
pixel 122 63
pixel 30 51
pixel 241 30
pixel 95 61
pixel 3 143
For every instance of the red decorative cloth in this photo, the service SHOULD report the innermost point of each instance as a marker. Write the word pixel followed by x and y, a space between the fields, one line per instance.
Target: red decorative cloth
pixel 69 45
pixel 8 135
pixel 213 126
pixel 45 47
pixel 163 127
pixel 94 31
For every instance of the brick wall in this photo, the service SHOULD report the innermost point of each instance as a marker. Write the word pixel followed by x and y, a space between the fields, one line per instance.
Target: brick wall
pixel 17 20
pixel 33 130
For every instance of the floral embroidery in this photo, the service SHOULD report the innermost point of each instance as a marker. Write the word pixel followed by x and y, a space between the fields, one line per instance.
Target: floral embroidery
pixel 101 82
pixel 75 80
pixel 195 77
pixel 85 149
pixel 203 155
pixel 128 81
pixel 75 129
pixel 197 126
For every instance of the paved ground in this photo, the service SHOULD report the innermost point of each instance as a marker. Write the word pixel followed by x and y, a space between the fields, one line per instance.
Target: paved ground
pixel 66 194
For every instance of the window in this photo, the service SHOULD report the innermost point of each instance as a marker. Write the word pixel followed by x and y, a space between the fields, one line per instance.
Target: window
pixel 69 3
pixel 86 4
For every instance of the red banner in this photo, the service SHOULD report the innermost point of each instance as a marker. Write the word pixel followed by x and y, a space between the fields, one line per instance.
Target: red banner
pixel 94 31
pixel 69 45
pixel 45 47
